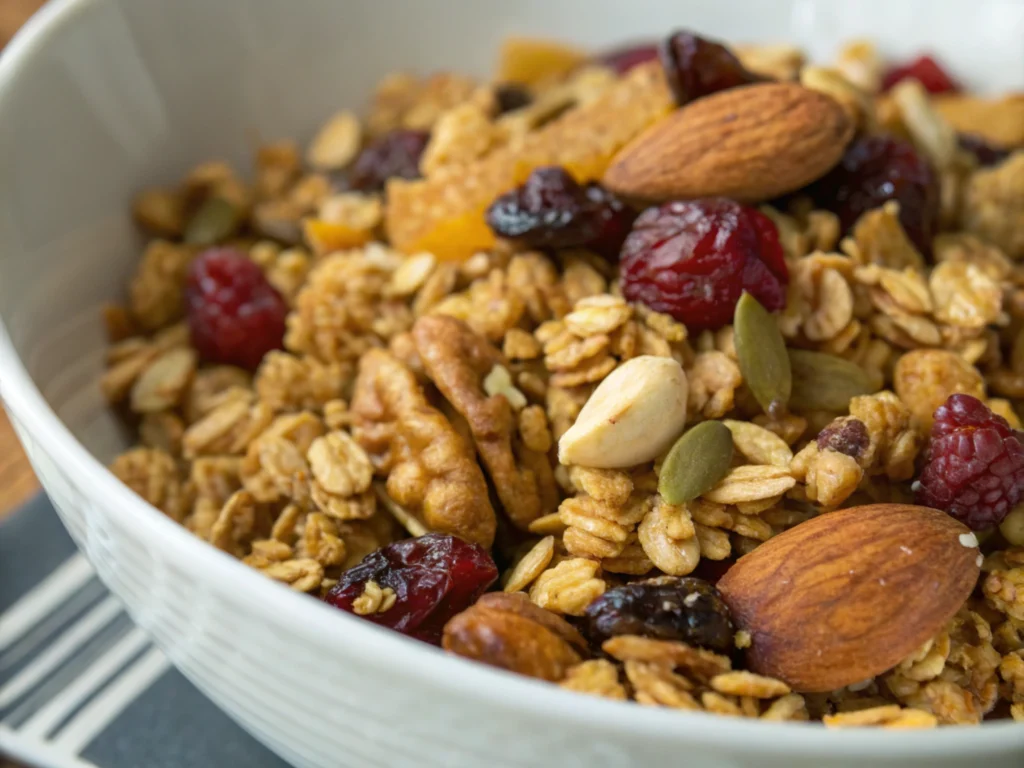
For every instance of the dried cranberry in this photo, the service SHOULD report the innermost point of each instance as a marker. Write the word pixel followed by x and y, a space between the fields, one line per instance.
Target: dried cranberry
pixel 234 315
pixel 551 210
pixel 926 71
pixel 875 169
pixel 974 466
pixel 693 259
pixel 433 577
pixel 986 154
pixel 665 608
pixel 625 58
pixel 511 96
pixel 849 436
pixel 393 155
pixel 696 67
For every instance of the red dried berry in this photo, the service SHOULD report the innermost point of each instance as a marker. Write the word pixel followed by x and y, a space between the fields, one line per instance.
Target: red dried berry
pixel 693 260
pixel 433 577
pixel 696 67
pixel 875 169
pixel 986 154
pixel 393 155
pixel 511 96
pixel 625 58
pixel 234 314
pixel 925 70
pixel 551 210
pixel 974 467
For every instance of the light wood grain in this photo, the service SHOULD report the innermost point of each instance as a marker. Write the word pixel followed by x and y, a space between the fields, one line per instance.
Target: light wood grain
pixel 17 482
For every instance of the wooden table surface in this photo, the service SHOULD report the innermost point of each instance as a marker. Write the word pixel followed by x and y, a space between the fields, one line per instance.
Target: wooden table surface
pixel 17 482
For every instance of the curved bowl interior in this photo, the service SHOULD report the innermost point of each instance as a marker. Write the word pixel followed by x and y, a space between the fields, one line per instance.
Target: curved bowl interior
pixel 99 98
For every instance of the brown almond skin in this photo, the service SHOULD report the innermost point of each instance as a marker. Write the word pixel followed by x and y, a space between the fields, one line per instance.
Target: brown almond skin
pixel 846 596
pixel 510 632
pixel 750 143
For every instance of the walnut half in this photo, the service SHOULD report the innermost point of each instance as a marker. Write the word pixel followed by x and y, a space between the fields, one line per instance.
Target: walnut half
pixel 431 470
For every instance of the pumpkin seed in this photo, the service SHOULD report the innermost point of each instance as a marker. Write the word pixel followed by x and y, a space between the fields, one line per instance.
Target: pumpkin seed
pixel 762 354
pixel 824 382
pixel 215 221
pixel 698 460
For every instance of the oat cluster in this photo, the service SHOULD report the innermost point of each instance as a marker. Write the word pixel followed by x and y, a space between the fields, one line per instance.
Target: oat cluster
pixel 429 371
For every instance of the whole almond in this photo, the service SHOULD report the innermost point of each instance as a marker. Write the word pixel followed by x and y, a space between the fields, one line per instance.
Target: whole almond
pixel 844 597
pixel 634 415
pixel 506 630
pixel 750 143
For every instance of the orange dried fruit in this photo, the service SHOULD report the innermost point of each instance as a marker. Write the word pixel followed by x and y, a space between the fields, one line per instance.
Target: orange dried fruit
pixel 327 237
pixel 528 60
pixel 445 213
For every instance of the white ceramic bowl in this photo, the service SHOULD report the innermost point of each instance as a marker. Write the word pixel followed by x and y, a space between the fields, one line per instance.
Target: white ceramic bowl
pixel 101 97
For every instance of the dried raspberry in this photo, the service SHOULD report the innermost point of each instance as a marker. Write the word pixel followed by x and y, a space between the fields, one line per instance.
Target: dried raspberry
pixel 975 464
pixel 624 59
pixel 925 70
pixel 551 210
pixel 696 67
pixel 986 154
pixel 235 316
pixel 511 96
pixel 393 155
pixel 433 577
pixel 694 259
pixel 875 169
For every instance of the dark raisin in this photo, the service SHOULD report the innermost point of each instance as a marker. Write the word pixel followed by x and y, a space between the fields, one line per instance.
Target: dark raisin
pixel 665 608
pixel 433 577
pixel 551 210
pixel 511 96
pixel 393 155
pixel 696 67
pixel 875 169
pixel 986 154
pixel 848 436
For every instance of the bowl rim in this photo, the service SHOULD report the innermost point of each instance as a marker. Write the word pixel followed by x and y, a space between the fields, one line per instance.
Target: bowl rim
pixel 477 684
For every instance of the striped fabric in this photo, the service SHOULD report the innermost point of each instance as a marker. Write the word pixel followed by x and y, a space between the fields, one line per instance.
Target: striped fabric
pixel 80 685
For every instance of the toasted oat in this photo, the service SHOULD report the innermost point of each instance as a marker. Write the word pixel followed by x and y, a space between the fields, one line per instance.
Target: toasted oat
pixel 597 677
pixel 886 716
pixel 743 683
pixel 751 483
pixel 704 665
pixel 531 565
pixel 568 587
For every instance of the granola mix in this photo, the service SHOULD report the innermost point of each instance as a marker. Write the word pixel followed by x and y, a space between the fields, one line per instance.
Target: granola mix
pixel 434 341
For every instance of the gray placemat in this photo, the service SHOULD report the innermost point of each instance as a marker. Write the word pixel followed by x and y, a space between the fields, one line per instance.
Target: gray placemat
pixel 80 685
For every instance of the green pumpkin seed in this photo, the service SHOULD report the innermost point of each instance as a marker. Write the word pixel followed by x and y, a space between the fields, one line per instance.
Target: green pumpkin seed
pixel 762 354
pixel 214 222
pixel 698 460
pixel 824 382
